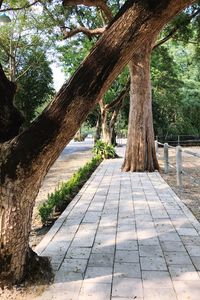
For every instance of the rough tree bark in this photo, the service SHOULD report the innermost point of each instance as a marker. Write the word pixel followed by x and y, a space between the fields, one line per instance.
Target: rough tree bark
pixel 140 150
pixel 25 160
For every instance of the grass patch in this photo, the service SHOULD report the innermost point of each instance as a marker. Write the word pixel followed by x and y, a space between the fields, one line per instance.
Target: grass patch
pixel 58 201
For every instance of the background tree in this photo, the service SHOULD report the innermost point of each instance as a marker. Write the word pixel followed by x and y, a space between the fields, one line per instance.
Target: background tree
pixel 22 53
pixel 39 78
pixel 176 84
pixel 140 151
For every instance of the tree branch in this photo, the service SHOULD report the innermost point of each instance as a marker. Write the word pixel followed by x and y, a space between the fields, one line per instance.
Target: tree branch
pixel 98 3
pixel 175 29
pixel 120 98
pixel 17 8
pixel 86 31
pixel 6 50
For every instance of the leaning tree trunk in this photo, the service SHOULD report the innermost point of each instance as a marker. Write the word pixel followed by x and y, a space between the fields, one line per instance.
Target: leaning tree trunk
pixel 26 159
pixel 140 150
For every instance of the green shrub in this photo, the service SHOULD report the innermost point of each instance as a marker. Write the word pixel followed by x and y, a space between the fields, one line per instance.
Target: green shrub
pixel 57 201
pixel 104 150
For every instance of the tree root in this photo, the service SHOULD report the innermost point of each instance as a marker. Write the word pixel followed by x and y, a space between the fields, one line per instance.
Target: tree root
pixel 38 269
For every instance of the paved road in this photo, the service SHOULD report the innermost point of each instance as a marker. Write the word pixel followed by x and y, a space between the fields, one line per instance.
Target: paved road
pixel 124 236
pixel 74 147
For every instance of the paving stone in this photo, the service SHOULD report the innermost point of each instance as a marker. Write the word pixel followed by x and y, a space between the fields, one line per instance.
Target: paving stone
pixel 187 231
pixel 177 258
pixel 193 250
pixel 169 236
pixel 150 241
pixel 64 276
pixel 126 227
pixel 127 256
pixel 62 291
pixel 106 230
pixel 86 241
pixel 191 240
pixel 153 264
pixel 127 287
pixel 101 260
pixel 150 250
pixel 97 291
pixel 187 289
pixel 127 245
pixel 196 262
pixel 74 252
pixel 122 298
pixel 156 279
pixel 164 228
pixel 127 270
pixel 74 265
pixel 172 246
pixel 183 272
pixel 98 274
pixel 91 217
pixel 160 294
pixel 103 248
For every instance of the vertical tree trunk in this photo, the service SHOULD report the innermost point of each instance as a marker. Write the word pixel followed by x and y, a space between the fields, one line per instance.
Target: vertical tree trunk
pixel 98 129
pixel 104 126
pixel 140 151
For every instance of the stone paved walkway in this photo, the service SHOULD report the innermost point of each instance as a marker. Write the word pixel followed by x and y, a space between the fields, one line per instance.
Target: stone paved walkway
pixel 124 236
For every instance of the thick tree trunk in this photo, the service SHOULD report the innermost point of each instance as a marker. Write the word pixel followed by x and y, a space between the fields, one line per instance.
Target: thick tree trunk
pixel 140 150
pixel 26 159
pixel 15 226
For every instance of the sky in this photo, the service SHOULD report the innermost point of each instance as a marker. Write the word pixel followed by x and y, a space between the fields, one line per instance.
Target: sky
pixel 58 76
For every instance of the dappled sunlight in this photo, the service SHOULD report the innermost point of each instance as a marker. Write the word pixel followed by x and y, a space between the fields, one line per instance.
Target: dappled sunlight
pixel 129 241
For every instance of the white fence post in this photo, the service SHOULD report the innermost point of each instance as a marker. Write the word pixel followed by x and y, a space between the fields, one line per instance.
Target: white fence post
pixel 166 158
pixel 156 147
pixel 179 166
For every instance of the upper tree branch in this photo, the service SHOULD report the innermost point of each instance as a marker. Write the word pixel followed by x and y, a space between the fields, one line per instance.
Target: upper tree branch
pixel 175 29
pixel 18 8
pixel 98 3
pixel 120 98
pixel 86 31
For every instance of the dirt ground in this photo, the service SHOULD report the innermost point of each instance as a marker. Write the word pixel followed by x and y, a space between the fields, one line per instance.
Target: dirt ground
pixel 190 191
pixel 61 171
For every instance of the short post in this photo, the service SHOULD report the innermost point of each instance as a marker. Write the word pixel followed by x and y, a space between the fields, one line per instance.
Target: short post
pixel 156 147
pixel 166 158
pixel 179 166
pixel 178 140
